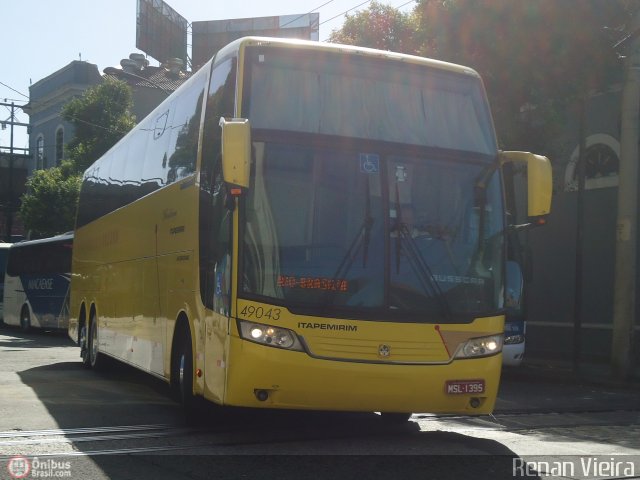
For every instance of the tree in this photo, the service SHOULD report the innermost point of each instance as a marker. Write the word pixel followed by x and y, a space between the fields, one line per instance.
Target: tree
pixel 379 26
pixel 101 116
pixel 49 206
pixel 535 57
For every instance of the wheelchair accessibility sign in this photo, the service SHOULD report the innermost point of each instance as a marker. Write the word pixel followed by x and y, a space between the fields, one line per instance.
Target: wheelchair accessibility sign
pixel 369 163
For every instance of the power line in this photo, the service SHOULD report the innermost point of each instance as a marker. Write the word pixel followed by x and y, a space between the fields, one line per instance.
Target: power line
pixel 109 129
pixel 310 11
pixel 405 4
pixel 48 103
pixel 7 99
pixel 13 89
pixel 353 8
pixel 345 12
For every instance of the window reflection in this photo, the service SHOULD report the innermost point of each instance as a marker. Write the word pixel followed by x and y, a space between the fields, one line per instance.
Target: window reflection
pixel 357 97
pixel 160 150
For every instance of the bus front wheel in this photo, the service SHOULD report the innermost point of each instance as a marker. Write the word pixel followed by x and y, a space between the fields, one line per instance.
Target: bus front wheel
pixel 182 374
pixel 25 319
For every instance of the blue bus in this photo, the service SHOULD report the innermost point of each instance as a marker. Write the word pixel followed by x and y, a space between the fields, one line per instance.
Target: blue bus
pixel 36 283
pixel 514 323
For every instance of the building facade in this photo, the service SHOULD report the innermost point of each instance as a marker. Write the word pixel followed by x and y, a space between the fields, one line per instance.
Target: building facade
pixel 567 314
pixel 49 132
pixel 13 176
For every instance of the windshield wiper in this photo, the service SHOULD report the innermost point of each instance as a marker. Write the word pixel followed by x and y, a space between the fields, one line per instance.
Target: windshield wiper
pixel 362 240
pixel 352 252
pixel 405 242
pixel 422 270
pixel 367 225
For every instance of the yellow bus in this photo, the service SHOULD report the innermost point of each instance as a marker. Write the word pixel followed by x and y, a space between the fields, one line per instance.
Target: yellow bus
pixel 304 225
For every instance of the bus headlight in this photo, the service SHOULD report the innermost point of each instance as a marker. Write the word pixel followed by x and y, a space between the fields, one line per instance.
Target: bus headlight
pixel 480 347
pixel 269 335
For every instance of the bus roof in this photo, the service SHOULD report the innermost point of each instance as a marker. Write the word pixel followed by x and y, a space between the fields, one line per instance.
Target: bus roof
pixel 349 49
pixel 57 238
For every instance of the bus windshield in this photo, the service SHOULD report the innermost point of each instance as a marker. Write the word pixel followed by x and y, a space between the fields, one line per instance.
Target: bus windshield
pixel 374 194
pixel 386 233
pixel 52 257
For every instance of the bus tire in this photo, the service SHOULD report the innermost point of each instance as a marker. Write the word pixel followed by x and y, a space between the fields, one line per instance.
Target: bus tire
pixel 25 319
pixel 83 340
pixel 96 359
pixel 182 374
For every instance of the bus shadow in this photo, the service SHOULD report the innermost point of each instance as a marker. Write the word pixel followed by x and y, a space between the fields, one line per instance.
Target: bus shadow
pixel 14 337
pixel 246 443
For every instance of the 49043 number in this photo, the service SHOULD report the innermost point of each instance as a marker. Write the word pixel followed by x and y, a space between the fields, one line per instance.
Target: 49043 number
pixel 251 311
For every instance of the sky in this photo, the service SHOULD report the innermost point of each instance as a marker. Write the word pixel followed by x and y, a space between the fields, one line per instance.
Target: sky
pixel 42 36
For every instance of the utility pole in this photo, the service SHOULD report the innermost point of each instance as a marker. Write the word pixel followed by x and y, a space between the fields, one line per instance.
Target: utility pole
pixel 12 121
pixel 579 289
pixel 624 301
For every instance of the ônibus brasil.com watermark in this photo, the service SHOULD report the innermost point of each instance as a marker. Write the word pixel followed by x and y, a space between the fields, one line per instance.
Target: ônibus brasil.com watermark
pixel 584 467
pixel 23 467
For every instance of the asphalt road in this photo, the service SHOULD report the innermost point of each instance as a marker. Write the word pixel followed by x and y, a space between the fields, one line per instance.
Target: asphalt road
pixel 67 421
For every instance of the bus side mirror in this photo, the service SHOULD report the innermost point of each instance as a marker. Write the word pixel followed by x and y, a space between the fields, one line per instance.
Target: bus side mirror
pixel 236 151
pixel 539 184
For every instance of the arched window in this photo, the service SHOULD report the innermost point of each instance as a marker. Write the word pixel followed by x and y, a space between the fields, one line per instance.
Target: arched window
pixel 40 153
pixel 59 145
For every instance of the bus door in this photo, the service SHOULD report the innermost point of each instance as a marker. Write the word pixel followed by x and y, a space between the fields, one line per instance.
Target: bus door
pixel 216 267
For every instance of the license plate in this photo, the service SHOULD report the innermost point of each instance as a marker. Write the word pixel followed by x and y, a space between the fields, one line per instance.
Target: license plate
pixel 460 387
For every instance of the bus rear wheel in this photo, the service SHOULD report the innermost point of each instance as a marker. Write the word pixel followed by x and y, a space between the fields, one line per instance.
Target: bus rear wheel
pixel 96 359
pixel 83 340
pixel 25 319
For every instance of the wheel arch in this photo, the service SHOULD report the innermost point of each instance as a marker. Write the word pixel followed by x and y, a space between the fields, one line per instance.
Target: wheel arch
pixel 26 306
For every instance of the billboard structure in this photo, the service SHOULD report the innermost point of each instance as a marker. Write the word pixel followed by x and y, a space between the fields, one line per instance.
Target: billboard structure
pixel 209 37
pixel 161 32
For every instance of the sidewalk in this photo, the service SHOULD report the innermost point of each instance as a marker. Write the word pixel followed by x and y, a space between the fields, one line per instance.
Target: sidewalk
pixel 542 386
pixel 589 373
